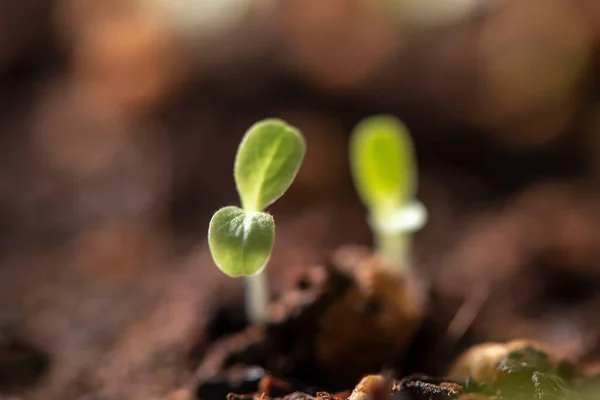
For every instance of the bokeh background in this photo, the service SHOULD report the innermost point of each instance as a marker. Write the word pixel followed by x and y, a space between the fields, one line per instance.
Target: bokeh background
pixel 119 121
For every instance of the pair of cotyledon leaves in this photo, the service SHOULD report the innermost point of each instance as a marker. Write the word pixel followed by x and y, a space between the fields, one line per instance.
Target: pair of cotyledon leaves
pixel 267 161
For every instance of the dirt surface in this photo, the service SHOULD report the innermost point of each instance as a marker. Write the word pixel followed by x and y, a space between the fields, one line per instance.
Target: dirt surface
pixel 497 371
pixel 332 327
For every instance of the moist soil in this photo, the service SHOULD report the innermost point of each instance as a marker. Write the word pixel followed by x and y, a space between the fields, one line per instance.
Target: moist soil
pixel 333 328
pixel 343 319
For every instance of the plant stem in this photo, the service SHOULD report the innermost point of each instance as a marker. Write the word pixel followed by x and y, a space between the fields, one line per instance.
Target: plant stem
pixel 392 230
pixel 395 249
pixel 256 298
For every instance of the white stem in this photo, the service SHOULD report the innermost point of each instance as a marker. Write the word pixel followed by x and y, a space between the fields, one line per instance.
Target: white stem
pixel 256 298
pixel 395 249
pixel 392 230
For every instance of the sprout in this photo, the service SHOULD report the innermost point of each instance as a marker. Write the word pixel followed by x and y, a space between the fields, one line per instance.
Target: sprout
pixel 241 239
pixel 385 176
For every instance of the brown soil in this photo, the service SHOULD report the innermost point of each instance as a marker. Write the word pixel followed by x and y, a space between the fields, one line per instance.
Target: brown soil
pixel 342 320
pixel 517 370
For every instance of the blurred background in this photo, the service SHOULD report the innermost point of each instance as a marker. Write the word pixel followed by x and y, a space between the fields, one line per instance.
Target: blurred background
pixel 119 121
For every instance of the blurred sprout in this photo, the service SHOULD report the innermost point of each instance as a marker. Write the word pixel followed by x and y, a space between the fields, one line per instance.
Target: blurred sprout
pixel 385 176
pixel 383 163
pixel 241 239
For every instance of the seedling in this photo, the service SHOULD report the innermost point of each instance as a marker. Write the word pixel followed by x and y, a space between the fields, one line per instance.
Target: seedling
pixel 241 239
pixel 383 166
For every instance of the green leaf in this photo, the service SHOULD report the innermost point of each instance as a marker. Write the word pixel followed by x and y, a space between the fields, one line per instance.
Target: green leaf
pixel 267 162
pixel 383 163
pixel 240 242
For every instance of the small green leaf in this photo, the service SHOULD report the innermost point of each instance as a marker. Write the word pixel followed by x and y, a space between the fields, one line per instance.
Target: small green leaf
pixel 383 163
pixel 267 162
pixel 240 241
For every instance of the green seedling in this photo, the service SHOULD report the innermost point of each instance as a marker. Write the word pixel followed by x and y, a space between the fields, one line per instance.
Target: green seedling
pixel 383 166
pixel 241 239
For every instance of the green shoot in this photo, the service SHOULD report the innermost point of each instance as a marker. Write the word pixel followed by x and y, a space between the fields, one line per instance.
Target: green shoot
pixel 241 239
pixel 385 176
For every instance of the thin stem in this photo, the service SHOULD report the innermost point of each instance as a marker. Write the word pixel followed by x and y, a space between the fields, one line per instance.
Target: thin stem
pixel 392 231
pixel 256 298
pixel 394 248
